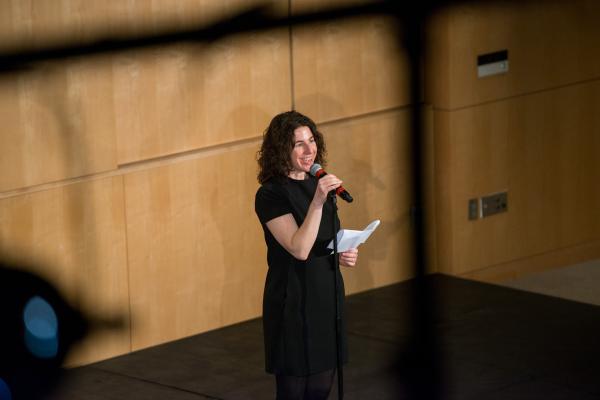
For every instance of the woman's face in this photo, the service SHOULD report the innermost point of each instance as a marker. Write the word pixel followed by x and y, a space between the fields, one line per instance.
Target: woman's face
pixel 304 151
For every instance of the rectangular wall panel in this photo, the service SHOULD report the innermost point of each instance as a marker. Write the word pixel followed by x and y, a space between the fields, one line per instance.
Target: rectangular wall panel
pixel 550 44
pixel 197 256
pixel 373 157
pixel 74 236
pixel 347 68
pixel 188 97
pixel 542 149
pixel 58 123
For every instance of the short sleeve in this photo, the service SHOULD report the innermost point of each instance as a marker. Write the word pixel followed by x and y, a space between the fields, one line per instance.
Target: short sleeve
pixel 271 202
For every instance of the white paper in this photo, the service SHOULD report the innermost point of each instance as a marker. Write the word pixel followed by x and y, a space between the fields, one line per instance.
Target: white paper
pixel 350 239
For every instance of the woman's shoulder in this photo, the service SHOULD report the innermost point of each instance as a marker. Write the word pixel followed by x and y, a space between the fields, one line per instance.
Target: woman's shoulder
pixel 273 183
pixel 272 187
pixel 272 200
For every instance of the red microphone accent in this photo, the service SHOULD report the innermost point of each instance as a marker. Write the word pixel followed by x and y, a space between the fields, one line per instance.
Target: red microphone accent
pixel 317 171
pixel 340 190
pixel 321 172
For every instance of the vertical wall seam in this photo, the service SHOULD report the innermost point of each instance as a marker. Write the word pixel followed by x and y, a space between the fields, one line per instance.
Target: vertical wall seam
pixel 127 264
pixel 291 47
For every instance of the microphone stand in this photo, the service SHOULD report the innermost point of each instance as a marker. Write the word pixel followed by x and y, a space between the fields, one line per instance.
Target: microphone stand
pixel 338 313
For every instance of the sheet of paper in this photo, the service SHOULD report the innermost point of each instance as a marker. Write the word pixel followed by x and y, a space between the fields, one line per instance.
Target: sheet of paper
pixel 351 239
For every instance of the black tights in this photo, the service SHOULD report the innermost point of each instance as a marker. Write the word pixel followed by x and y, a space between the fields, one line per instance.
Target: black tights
pixel 311 387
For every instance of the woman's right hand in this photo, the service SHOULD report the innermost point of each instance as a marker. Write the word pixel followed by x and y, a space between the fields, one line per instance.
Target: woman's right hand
pixel 325 185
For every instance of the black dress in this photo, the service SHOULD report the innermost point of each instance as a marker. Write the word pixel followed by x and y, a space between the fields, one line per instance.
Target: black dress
pixel 299 300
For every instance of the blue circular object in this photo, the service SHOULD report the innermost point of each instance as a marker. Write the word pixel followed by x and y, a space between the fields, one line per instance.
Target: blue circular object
pixel 4 391
pixel 41 328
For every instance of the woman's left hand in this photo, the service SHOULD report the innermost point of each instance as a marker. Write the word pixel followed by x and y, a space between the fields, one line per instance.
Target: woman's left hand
pixel 348 258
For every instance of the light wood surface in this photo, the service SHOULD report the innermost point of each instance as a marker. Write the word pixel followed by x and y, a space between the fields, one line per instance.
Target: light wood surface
pixel 531 131
pixel 540 148
pixel 67 119
pixel 187 97
pixel 74 236
pixel 196 254
pixel 184 98
pixel 372 156
pixel 429 185
pixel 57 124
pixel 550 44
pixel 347 68
pixel 444 208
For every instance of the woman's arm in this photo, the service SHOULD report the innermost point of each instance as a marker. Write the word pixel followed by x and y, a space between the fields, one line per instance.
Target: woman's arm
pixel 298 241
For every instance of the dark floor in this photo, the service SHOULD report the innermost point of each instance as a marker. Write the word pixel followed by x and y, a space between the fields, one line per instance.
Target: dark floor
pixel 495 343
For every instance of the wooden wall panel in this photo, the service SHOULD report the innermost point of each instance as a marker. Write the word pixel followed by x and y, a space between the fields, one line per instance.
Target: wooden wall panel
pixel 550 44
pixel 183 98
pixel 187 97
pixel 348 68
pixel 429 191
pixel 542 148
pixel 372 156
pixel 58 123
pixel 74 235
pixel 78 118
pixel 443 185
pixel 197 257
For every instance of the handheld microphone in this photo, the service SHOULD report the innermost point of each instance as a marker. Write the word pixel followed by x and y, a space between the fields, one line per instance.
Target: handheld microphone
pixel 317 171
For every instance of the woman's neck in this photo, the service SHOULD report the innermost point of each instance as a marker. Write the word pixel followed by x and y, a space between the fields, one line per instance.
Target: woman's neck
pixel 297 175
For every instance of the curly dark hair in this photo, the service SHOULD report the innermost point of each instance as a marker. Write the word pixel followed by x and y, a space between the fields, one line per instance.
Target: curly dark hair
pixel 278 142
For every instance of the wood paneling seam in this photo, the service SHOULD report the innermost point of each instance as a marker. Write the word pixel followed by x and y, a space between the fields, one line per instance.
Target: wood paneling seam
pixel 291 46
pixel 138 166
pixel 358 117
pixel 501 99
pixel 127 265
pixel 178 157
pixel 531 256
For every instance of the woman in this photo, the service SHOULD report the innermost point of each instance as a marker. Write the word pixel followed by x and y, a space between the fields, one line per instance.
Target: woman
pixel 299 300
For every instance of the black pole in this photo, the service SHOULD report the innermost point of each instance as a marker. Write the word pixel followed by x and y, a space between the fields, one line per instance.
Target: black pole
pixel 423 371
pixel 336 290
